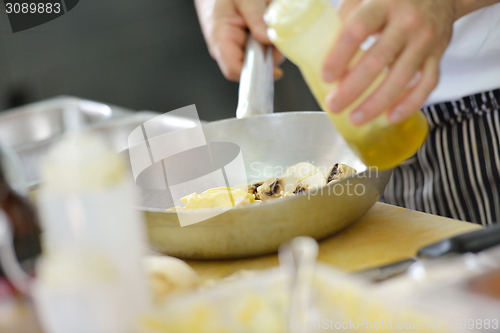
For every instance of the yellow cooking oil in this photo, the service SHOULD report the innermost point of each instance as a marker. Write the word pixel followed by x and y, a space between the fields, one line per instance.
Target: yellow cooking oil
pixel 304 31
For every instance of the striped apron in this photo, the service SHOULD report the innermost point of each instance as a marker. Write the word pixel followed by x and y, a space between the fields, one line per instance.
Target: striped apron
pixel 456 173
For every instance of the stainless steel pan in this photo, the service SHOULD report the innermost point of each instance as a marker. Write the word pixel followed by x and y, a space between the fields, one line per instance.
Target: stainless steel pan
pixel 269 144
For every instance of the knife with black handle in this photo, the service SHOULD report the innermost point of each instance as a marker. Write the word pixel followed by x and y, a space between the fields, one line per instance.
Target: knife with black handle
pixel 474 241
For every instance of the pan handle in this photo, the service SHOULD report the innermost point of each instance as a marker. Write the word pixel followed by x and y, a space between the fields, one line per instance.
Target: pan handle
pixel 256 91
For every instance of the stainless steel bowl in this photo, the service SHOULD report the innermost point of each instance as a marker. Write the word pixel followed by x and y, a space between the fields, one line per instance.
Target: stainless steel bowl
pixel 269 144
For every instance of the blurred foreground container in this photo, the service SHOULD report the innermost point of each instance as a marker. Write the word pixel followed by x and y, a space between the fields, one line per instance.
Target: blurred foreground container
pixel 90 277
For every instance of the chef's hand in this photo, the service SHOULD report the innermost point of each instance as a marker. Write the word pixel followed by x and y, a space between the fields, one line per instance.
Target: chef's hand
pixel 413 35
pixel 225 25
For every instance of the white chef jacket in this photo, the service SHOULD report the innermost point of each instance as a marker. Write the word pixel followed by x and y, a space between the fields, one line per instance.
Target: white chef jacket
pixel 471 64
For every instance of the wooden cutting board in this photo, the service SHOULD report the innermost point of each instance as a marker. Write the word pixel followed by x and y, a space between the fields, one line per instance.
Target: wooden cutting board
pixel 385 234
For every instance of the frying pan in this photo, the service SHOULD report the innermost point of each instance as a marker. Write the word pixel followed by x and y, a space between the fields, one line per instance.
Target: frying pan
pixel 269 143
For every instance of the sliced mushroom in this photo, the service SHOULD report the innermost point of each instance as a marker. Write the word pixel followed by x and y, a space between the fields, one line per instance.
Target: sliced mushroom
pixel 300 189
pixel 288 184
pixel 276 188
pixel 252 188
pixel 308 176
pixel 339 171
pixel 298 178
pixel 269 189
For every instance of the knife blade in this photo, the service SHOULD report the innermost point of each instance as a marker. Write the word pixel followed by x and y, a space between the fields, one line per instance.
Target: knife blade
pixel 474 241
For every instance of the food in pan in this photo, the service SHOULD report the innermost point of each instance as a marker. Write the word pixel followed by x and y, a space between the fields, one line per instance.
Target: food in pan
pixel 218 197
pixel 297 179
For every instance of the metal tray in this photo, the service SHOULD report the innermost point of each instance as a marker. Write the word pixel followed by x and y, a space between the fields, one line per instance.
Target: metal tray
pixel 116 132
pixel 114 129
pixel 34 123
pixel 31 129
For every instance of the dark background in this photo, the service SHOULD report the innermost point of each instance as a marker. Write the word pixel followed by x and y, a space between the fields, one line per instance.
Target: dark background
pixel 140 54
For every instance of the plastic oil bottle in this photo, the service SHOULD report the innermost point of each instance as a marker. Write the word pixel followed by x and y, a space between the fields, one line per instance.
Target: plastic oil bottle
pixel 304 31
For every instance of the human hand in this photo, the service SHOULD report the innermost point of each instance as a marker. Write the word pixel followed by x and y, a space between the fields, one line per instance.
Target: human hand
pixel 225 25
pixel 413 35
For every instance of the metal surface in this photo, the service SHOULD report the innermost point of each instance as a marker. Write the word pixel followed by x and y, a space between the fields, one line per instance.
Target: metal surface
pixel 32 129
pixel 115 132
pixel 13 170
pixel 384 272
pixel 269 144
pixel 256 91
pixel 34 123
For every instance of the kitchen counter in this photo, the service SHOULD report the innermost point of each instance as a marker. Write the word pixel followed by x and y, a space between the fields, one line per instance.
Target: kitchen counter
pixel 385 234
